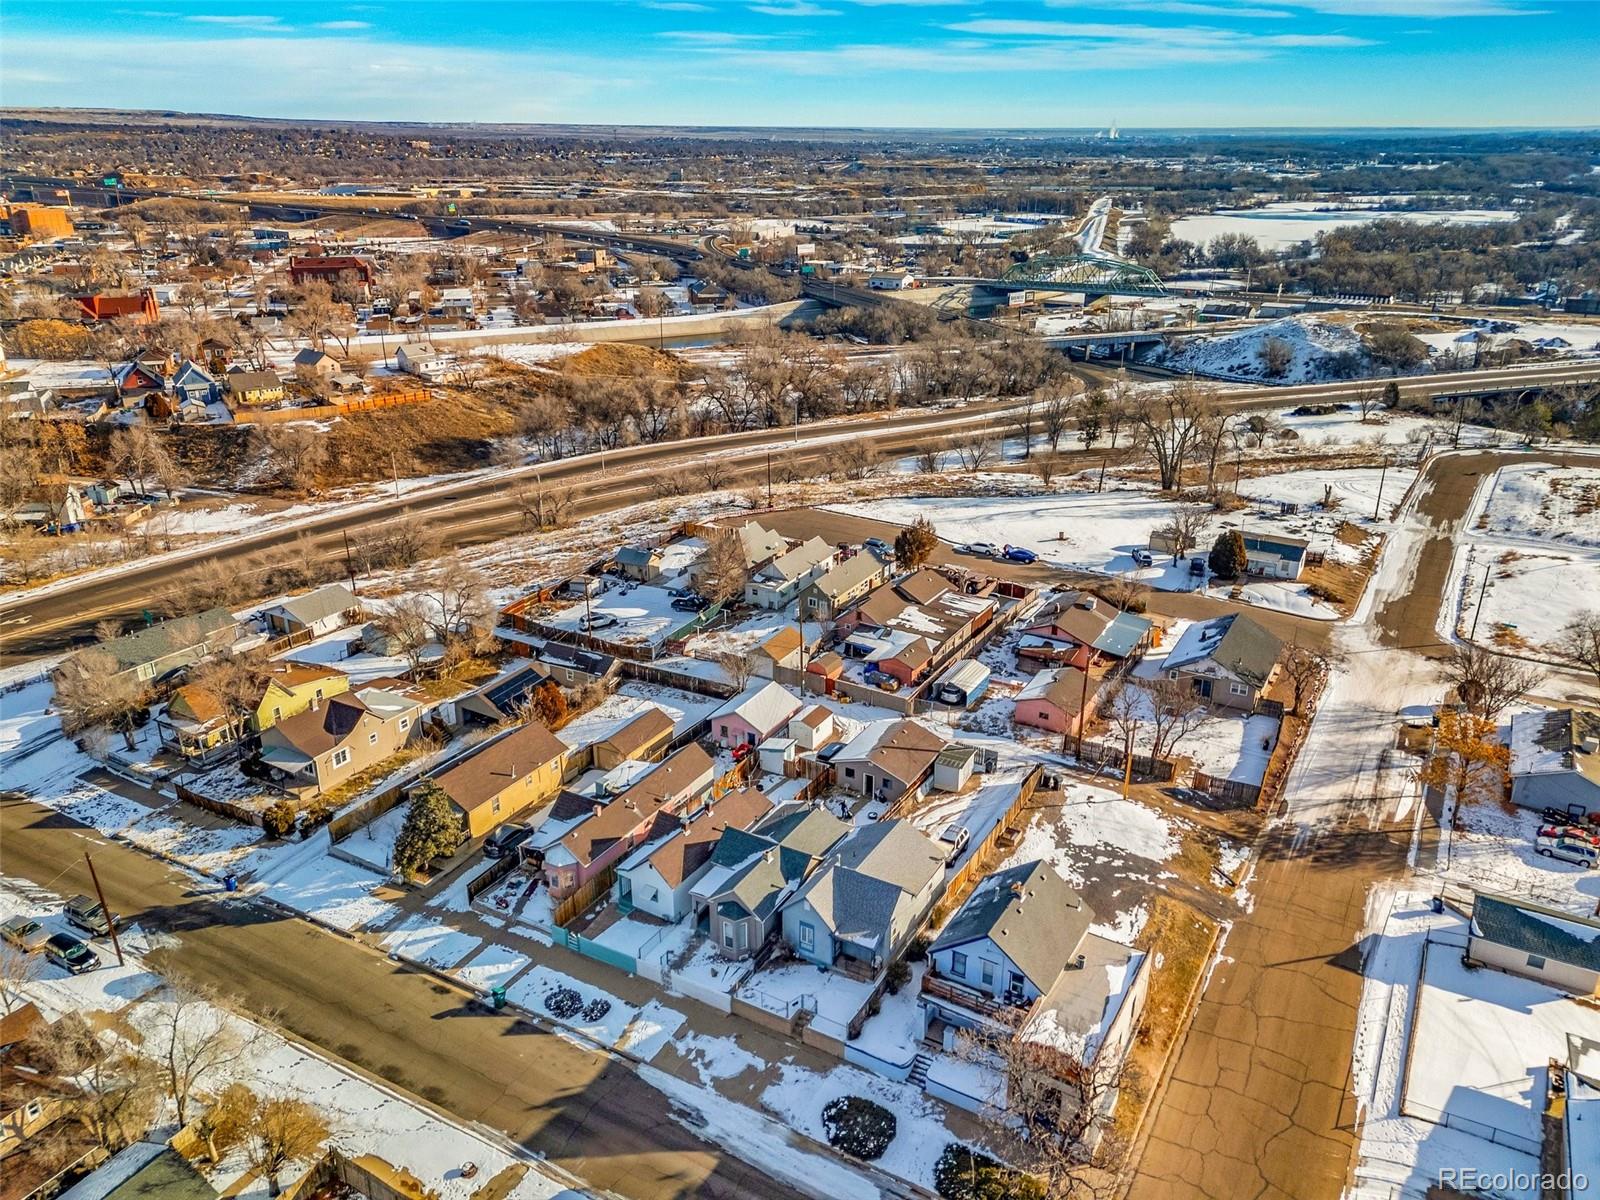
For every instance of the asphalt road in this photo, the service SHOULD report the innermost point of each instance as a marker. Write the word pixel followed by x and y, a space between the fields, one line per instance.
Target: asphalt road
pixel 586 1113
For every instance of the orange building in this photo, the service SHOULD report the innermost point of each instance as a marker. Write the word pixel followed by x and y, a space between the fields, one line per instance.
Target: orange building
pixel 40 222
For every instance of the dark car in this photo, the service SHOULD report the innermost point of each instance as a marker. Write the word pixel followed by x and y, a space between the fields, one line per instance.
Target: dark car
pixel 1021 554
pixel 505 839
pixel 690 604
pixel 1197 566
pixel 68 953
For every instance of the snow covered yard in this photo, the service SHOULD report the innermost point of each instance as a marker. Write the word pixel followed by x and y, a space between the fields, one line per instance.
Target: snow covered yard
pixel 784 989
pixel 1537 500
pixel 432 942
pixel 1492 849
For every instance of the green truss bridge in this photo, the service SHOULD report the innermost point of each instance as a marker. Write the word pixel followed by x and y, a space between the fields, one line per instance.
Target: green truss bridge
pixel 1091 274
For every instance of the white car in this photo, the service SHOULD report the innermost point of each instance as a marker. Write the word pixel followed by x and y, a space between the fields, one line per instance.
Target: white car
pixel 1569 849
pixel 982 549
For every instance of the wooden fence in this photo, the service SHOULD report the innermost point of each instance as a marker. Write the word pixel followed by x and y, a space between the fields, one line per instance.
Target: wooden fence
pixel 975 868
pixel 1230 793
pixel 223 808
pixel 1100 754
pixel 491 875
pixel 587 894
pixel 318 412
pixel 369 810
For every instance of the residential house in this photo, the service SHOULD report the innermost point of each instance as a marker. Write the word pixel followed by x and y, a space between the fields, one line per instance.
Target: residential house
pixel 140 307
pixel 784 650
pixel 888 758
pixel 829 595
pixel 502 698
pixel 330 607
pixel 812 728
pixel 736 901
pixel 657 877
pixel 254 387
pixel 775 584
pixel 336 739
pixel 754 715
pixel 1275 555
pixel 573 665
pixel 1555 760
pixel 506 776
pixel 913 627
pixel 1079 629
pixel 892 281
pixel 861 908
pixel 643 738
pixel 151 1171
pixel 1018 959
pixel 195 724
pixel 312 366
pixel 705 293
pixel 639 563
pixel 1056 701
pixel 331 268
pixel 617 825
pixel 149 653
pixel 422 360
pixel 45 1130
pixel 1550 945
pixel 1230 661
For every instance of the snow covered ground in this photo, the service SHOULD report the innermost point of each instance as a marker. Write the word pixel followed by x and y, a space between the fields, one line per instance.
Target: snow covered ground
pixel 1284 223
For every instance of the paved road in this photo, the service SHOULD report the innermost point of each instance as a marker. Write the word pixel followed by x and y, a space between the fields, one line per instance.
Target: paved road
pixel 586 1113
pixel 1257 1105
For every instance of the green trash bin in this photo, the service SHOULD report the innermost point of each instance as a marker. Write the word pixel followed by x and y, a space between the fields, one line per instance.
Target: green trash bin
pixel 497 998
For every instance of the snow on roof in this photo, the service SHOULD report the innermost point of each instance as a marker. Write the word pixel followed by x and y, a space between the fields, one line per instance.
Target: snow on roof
pixel 764 706
pixel 1079 1009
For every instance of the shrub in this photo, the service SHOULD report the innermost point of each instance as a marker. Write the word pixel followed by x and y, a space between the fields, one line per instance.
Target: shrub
pixel 279 818
pixel 1229 559
pixel 564 1003
pixel 899 975
pixel 318 813
pixel 858 1126
pixel 963 1174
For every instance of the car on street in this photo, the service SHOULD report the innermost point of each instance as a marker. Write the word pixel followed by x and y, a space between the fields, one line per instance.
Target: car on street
pixel 690 603
pixel 24 933
pixel 1143 558
pixel 1020 554
pixel 982 549
pixel 71 955
pixel 1197 567
pixel 505 839
pixel 1572 850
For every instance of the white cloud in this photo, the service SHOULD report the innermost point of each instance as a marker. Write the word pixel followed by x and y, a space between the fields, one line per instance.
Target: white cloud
pixel 1197 36
pixel 344 24
pixel 1413 8
pixel 675 6
pixel 712 37
pixel 236 21
pixel 1193 8
pixel 794 8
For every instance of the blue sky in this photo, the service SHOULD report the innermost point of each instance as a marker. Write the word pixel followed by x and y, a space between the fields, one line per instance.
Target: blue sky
pixel 943 63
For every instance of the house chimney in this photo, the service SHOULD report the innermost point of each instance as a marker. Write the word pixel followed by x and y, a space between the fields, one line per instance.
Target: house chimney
pixel 1077 963
pixel 1016 891
pixel 598 809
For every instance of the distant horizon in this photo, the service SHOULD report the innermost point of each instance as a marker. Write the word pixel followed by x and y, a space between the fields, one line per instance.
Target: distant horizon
pixel 825 64
pixel 14 112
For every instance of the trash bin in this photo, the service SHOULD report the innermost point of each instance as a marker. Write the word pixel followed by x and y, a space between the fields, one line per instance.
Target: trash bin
pixel 1438 904
pixel 230 883
pixel 497 998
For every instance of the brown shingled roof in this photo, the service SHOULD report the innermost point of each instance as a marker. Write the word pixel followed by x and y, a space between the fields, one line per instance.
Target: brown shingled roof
pixel 481 774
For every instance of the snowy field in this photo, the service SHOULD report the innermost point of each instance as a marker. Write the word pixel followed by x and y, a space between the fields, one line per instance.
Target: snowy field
pixel 1537 500
pixel 1282 224
pixel 627 614
pixel 1492 848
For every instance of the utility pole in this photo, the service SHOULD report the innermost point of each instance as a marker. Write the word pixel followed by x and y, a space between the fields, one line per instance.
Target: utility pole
pixel 349 567
pixel 111 920
pixel 1377 508
pixel 394 472
pixel 1083 711
pixel 1488 570
pixel 769 480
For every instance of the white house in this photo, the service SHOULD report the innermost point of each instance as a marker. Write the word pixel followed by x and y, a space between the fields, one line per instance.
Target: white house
pixel 422 360
pixel 892 281
pixel 658 877
pixel 776 584
pixel 330 607
pixel 754 715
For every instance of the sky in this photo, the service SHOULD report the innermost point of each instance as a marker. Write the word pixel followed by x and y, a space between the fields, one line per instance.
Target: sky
pixel 1068 64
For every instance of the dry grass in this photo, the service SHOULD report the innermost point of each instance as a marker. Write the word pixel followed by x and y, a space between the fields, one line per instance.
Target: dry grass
pixel 621 359
pixel 452 434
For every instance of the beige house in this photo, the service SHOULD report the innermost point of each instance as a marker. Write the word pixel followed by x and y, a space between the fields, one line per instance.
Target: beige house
pixel 1549 945
pixel 338 738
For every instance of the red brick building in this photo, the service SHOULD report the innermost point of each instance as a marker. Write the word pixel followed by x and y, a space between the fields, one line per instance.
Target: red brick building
pixel 329 268
pixel 141 306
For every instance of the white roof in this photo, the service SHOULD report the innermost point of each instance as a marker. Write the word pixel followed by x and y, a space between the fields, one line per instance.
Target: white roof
pixel 764 706
pixel 866 739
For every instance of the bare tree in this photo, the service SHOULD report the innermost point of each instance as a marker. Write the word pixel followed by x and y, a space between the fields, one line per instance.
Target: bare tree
pixel 723 571
pixel 1176 711
pixel 225 1122
pixel 17 969
pixel 459 607
pixel 856 459
pixel 1056 418
pixel 977 451
pixel 543 506
pixel 408 624
pixel 284 1130
pixel 92 691
pixel 1187 527
pixel 236 682
pixel 1306 668
pixel 737 666
pixel 118 1089
pixel 139 456
pixel 1168 425
pixel 1369 400
pixel 1127 593
pixel 195 1040
pixel 1276 355
pixel 1487 682
pixel 297 453
pixel 929 459
pixel 1580 642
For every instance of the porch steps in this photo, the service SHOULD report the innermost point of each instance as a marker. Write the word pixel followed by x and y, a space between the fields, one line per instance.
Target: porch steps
pixel 919 1070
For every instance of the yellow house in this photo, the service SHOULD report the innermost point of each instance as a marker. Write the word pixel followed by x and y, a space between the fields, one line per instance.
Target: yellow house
pixel 503 777
pixel 196 726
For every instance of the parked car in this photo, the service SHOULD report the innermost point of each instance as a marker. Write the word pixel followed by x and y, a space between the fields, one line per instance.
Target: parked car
pixel 883 681
pixel 982 549
pixel 85 912
pixel 1197 567
pixel 880 547
pixel 742 751
pixel 956 837
pixel 1143 558
pixel 505 839
pixel 1021 554
pixel 71 955
pixel 24 933
pixel 1582 833
pixel 690 603
pixel 599 621
pixel 1556 816
pixel 1572 850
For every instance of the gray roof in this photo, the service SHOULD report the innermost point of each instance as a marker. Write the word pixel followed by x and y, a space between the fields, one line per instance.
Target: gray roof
pixel 1030 914
pixel 855 907
pixel 1123 633
pixel 894 852
pixel 1535 929
pixel 1245 649
pixel 852 572
pixel 590 662
pixel 164 638
pixel 798 837
pixel 638 556
pixel 327 601
pixel 867 877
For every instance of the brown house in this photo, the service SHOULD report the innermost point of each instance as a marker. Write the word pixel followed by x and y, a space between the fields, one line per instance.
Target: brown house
pixel 644 738
pixel 338 738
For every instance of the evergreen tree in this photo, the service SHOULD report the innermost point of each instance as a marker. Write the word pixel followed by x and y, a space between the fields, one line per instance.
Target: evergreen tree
pixel 431 829
pixel 915 544
pixel 1228 557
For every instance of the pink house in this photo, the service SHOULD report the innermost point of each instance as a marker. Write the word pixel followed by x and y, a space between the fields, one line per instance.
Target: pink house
pixel 617 825
pixel 754 715
pixel 1056 701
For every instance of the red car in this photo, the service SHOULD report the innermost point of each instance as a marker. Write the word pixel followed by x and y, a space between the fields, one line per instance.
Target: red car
pixel 1582 833
pixel 741 751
